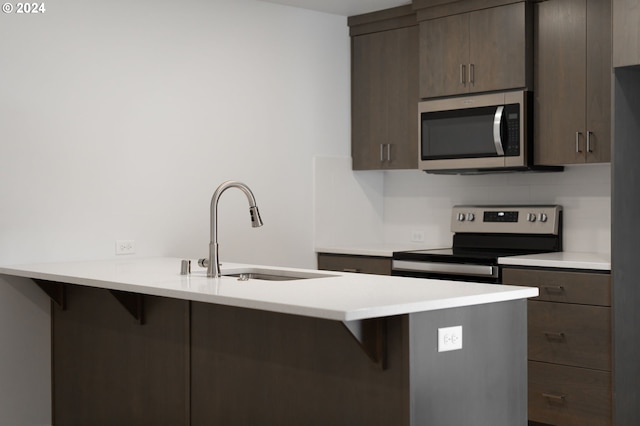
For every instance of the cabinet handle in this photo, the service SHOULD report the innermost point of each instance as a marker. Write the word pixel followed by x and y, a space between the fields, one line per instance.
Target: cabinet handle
pixel 462 74
pixel 472 74
pixel 353 270
pixel 382 157
pixel 555 397
pixel 556 337
pixel 555 289
pixel 578 142
pixel 589 141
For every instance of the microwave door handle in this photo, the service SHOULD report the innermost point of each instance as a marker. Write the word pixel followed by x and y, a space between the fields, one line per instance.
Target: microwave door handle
pixel 497 125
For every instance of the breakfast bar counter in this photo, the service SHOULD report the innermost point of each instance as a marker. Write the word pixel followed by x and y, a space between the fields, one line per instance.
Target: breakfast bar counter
pixel 135 342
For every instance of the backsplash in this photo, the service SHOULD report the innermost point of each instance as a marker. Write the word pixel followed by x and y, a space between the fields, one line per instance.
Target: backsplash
pixel 408 201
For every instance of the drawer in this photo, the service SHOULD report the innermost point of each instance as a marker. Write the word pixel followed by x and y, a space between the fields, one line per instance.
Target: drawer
pixel 352 263
pixel 562 286
pixel 577 335
pixel 569 396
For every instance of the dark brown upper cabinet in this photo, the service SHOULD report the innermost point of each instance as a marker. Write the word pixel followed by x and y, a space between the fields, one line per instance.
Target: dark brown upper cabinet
pixel 478 51
pixel 573 72
pixel 384 90
pixel 626 33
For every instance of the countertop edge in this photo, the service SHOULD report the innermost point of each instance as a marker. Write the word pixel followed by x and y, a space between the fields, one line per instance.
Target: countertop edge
pixel 349 297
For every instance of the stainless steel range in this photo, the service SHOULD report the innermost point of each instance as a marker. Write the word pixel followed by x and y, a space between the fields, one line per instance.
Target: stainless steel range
pixel 482 234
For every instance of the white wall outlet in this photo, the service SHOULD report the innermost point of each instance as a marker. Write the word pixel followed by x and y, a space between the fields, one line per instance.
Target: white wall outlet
pixel 125 246
pixel 450 338
pixel 417 236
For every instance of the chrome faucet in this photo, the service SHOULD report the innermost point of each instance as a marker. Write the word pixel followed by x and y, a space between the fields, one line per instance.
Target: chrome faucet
pixel 213 267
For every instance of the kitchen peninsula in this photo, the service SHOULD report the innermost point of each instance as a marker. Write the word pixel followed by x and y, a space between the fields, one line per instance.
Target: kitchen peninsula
pixel 136 343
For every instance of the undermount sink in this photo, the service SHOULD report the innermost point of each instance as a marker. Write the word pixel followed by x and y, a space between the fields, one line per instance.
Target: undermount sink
pixel 272 275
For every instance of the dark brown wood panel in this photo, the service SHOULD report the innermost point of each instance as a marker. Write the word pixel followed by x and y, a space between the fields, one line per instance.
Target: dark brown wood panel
pixel 500 48
pixel 480 51
pixel 573 82
pixel 260 368
pixel 563 286
pixel 626 33
pixel 560 82
pixel 430 9
pixel 444 52
pixel 384 98
pixel 444 56
pixel 110 370
pixel 369 112
pixel 570 334
pixel 353 263
pixel 569 396
pixel 599 75
pixel 384 20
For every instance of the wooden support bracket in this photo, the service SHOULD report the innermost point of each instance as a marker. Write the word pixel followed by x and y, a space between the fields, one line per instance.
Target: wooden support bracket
pixel 132 302
pixel 371 334
pixel 55 290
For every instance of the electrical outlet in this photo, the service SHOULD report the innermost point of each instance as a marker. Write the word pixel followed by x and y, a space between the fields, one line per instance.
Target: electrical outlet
pixel 450 338
pixel 417 236
pixel 125 246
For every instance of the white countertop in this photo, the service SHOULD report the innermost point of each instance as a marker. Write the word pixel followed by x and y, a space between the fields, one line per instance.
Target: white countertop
pixel 336 296
pixel 563 259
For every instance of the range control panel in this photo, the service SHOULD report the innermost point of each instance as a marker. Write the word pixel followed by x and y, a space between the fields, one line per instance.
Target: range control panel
pixel 516 219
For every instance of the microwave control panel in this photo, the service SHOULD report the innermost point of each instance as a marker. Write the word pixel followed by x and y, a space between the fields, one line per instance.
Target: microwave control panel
pixel 512 120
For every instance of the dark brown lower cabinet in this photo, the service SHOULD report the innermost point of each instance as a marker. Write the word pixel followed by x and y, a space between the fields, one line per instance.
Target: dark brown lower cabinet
pixel 201 364
pixel 571 396
pixel 254 367
pixel 569 346
pixel 108 369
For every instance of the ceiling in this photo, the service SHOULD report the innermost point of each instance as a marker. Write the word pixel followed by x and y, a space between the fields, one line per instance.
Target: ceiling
pixel 343 7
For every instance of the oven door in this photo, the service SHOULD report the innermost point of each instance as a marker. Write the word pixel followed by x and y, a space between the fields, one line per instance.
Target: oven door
pixel 478 132
pixel 446 271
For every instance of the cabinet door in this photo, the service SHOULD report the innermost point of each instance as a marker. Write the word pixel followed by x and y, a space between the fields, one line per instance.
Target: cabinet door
pixel 385 99
pixel 498 48
pixel 560 81
pixel 353 263
pixel 570 334
pixel 626 33
pixel 368 106
pixel 599 76
pixel 444 56
pixel 569 396
pixel 573 82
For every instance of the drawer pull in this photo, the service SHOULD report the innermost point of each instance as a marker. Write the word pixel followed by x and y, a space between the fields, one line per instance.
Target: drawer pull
pixel 553 289
pixel 556 337
pixel 352 270
pixel 558 399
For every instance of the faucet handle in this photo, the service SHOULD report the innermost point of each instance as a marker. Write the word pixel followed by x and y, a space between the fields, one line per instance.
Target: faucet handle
pixel 185 267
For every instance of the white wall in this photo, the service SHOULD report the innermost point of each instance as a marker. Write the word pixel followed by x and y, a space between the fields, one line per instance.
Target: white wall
pixel 418 201
pixel 390 206
pixel 117 121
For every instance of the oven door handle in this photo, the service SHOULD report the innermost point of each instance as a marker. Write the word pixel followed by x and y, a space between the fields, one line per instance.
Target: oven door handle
pixel 445 268
pixel 497 134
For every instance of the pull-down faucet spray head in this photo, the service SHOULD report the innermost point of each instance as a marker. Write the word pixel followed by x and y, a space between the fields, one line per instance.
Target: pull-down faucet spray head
pixel 256 220
pixel 213 268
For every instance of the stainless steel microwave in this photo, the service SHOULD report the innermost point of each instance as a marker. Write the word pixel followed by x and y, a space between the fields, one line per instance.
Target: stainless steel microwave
pixel 476 134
